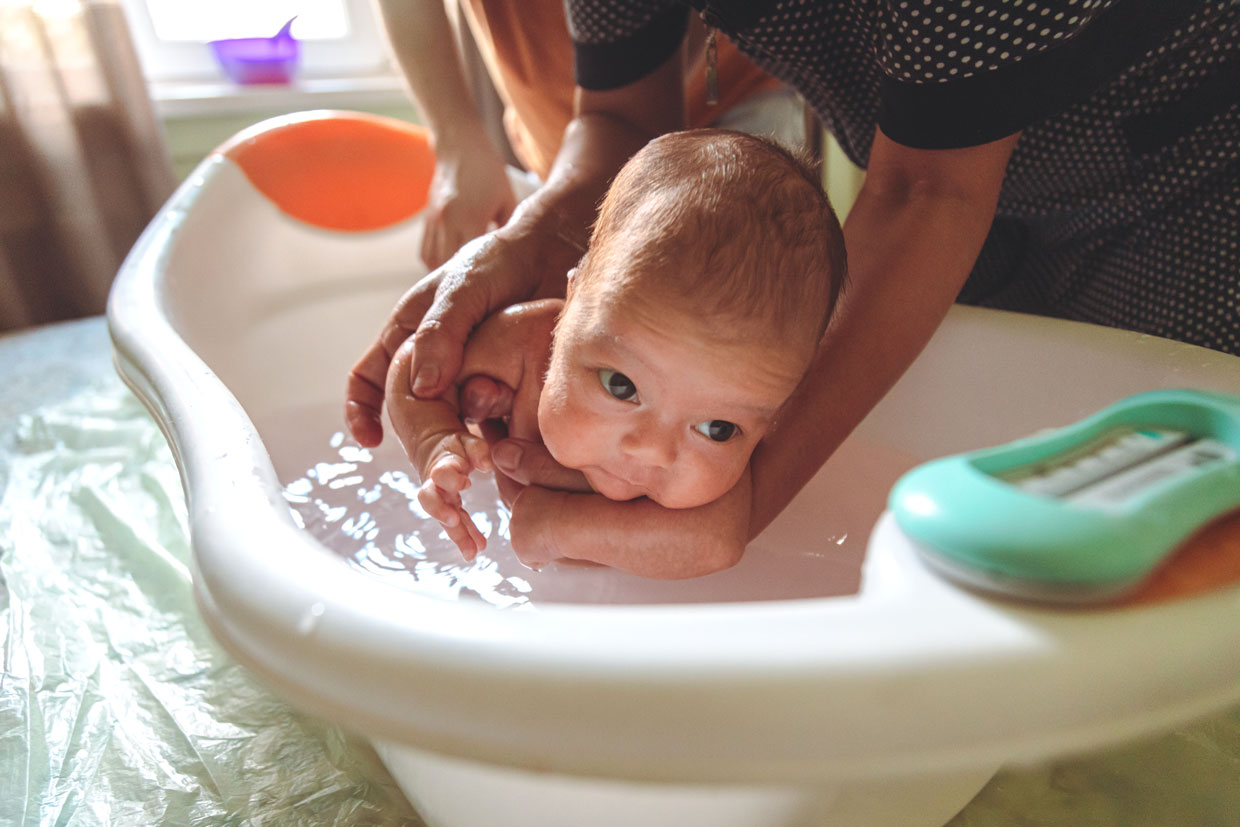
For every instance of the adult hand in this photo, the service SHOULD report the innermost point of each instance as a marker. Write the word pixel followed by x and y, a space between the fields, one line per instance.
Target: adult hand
pixel 469 195
pixel 469 191
pixel 638 536
pixel 528 258
pixel 510 265
pixel 522 462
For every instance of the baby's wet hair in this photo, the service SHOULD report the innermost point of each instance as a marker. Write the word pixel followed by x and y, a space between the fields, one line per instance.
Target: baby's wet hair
pixel 730 222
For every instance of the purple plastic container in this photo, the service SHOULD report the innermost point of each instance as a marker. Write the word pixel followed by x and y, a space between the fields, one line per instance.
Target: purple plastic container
pixel 257 60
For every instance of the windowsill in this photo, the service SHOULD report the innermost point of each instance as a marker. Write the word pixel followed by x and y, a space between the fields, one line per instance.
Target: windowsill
pixel 191 99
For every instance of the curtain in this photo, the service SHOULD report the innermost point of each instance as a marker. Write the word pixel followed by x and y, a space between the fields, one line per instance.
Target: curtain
pixel 83 165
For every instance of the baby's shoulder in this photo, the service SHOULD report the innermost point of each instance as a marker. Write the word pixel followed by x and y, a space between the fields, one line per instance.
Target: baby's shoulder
pixel 522 325
pixel 527 316
pixel 513 339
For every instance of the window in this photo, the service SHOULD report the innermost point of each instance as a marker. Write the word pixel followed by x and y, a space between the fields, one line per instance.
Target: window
pixel 339 38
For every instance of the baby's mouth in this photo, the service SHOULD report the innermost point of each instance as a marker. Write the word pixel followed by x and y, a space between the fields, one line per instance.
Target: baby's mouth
pixel 607 481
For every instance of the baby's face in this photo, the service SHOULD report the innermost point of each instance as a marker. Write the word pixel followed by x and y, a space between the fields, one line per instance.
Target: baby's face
pixel 646 402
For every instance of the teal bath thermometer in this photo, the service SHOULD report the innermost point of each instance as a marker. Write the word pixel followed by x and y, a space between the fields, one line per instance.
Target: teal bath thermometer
pixel 1083 513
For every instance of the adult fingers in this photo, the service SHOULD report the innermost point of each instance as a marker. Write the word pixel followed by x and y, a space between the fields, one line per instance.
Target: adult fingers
pixel 529 463
pixel 509 489
pixel 447 234
pixel 436 223
pixel 367 380
pixel 458 306
pixel 505 208
pixel 433 247
pixel 364 397
pixel 397 391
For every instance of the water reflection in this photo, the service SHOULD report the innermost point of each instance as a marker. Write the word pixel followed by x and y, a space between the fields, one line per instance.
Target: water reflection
pixel 362 504
pixel 367 511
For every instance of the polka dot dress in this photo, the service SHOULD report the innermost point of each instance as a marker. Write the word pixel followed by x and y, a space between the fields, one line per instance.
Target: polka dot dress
pixel 1121 204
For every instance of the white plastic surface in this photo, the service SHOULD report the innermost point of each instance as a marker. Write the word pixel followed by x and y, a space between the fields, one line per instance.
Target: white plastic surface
pixel 229 315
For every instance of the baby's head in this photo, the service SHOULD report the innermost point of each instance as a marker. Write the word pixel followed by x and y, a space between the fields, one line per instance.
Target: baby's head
pixel 711 273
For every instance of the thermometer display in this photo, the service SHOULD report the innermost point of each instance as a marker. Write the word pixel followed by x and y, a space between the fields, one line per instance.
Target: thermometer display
pixel 1120 464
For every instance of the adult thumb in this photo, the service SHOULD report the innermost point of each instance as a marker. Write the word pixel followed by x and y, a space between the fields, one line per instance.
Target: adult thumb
pixel 529 463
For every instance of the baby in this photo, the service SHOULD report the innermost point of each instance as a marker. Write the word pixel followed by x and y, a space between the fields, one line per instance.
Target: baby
pixel 711 273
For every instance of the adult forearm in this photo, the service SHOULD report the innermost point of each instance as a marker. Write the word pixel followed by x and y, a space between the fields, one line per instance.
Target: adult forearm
pixel 894 303
pixel 607 128
pixel 638 536
pixel 912 241
pixel 595 147
pixel 424 44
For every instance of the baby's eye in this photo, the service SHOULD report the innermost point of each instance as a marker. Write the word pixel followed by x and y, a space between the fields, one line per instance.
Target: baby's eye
pixel 618 385
pixel 718 430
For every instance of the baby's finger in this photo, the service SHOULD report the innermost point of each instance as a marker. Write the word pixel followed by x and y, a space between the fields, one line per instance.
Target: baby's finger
pixel 475 535
pixel 478 452
pixel 451 473
pixel 440 506
pixel 466 536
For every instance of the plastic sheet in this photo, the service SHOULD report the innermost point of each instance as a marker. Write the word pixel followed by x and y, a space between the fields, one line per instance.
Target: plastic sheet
pixel 116 706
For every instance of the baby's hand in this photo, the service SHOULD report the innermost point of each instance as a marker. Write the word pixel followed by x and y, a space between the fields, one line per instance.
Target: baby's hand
pixel 451 462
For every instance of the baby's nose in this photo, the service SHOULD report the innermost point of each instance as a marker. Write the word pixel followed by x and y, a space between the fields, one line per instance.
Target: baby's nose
pixel 652 444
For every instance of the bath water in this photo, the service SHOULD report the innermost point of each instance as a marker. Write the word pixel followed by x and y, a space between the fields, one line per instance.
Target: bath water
pixel 362 504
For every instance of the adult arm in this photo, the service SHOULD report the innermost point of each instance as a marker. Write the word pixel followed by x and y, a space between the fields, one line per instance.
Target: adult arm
pixel 912 237
pixel 638 536
pixel 470 189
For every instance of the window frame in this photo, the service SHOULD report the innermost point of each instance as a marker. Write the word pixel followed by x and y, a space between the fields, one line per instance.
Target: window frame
pixel 363 53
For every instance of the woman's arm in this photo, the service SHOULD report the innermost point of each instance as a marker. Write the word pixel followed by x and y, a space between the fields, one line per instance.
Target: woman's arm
pixel 470 191
pixel 638 536
pixel 912 236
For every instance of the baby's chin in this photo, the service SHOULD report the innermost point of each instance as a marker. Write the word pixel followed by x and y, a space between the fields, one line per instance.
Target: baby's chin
pixel 615 488
pixel 611 486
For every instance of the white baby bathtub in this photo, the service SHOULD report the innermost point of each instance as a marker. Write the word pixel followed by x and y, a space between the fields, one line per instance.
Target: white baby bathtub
pixel 802 687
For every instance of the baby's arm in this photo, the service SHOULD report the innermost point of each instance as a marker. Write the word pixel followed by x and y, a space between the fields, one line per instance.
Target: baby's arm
pixel 442 450
pixel 510 348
